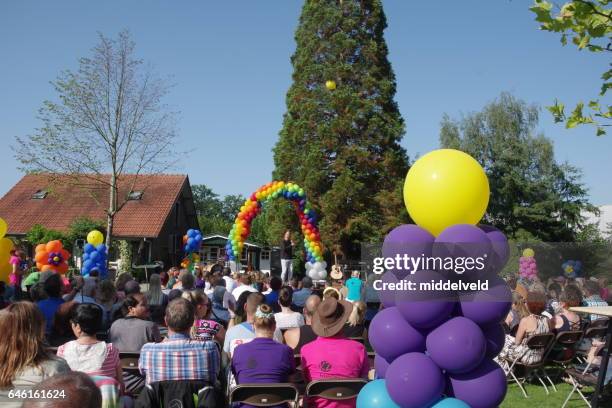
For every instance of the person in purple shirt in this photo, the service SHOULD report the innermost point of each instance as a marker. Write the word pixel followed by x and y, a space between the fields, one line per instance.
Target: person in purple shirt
pixel 48 307
pixel 263 360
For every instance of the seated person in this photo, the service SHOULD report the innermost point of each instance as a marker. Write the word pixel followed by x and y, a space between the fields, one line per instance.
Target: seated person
pixel 297 337
pixel 332 354
pixel 263 360
pixel 25 362
pixel 532 324
pixel 133 331
pixel 272 297
pixel 48 306
pixel 300 296
pixel 79 391
pixel 565 319
pixel 203 327
pixel 516 313
pixel 245 332
pixel 87 353
pixel 179 357
pixel 287 318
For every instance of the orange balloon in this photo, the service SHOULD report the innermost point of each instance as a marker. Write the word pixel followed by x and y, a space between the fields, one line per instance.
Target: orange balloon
pixel 54 246
pixel 41 257
pixel 46 268
pixel 65 254
pixel 41 247
pixel 62 268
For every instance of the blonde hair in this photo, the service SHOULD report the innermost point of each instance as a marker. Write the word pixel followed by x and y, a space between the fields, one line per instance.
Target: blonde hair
pixel 264 319
pixel 519 301
pixel 23 331
pixel 357 315
pixel 331 292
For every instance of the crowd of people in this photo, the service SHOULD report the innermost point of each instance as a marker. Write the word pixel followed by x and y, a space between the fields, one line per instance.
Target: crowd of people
pixel 221 328
pixel 214 327
pixel 537 309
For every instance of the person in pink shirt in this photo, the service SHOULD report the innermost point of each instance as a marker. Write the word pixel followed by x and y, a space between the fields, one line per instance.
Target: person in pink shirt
pixel 16 261
pixel 332 355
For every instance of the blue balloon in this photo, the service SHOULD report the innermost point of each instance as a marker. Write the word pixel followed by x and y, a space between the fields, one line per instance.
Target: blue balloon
pixel 85 256
pixel 191 233
pixel 89 248
pixel 198 238
pixel 451 403
pixel 101 248
pixel 375 395
pixel 190 242
pixel 94 256
pixel 87 265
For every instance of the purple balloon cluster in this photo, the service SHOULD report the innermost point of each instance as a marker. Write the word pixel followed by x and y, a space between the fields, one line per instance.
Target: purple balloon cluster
pixel 431 345
pixel 528 268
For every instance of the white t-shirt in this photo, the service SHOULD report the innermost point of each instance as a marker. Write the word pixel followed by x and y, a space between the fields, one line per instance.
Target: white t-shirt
pixel 288 320
pixel 230 284
pixel 242 288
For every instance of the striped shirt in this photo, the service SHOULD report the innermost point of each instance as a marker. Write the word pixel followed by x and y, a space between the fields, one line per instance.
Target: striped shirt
pixel 179 358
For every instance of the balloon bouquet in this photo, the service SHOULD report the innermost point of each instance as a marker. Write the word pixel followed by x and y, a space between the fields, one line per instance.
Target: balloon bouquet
pixel 52 257
pixel 572 269
pixel 95 255
pixel 191 245
pixel 528 268
pixel 436 349
pixel 6 246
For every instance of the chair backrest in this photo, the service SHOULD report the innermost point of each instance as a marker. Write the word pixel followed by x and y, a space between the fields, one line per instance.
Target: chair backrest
pixel 595 332
pixel 264 395
pixel 129 361
pixel 569 338
pixel 297 358
pixel 539 341
pixel 599 323
pixel 335 388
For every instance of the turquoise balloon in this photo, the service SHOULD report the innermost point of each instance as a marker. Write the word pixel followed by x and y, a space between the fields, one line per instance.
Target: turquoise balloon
pixel 375 395
pixel 451 403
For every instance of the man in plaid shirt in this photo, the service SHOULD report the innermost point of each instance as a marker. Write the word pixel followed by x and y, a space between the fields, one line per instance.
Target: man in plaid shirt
pixel 179 357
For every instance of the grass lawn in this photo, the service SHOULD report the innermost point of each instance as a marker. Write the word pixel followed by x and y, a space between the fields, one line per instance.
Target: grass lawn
pixel 539 399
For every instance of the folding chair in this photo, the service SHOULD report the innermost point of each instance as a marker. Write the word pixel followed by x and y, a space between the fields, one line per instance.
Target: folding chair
pixel 535 342
pixel 567 341
pixel 264 395
pixel 129 362
pixel 334 389
pixel 583 377
pixel 595 330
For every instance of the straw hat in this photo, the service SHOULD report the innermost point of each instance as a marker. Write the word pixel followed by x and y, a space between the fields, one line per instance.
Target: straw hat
pixel 331 316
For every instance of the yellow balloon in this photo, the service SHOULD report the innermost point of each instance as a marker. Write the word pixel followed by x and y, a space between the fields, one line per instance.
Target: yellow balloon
pixel 528 253
pixel 330 85
pixel 446 187
pixel 3 227
pixel 5 270
pixel 6 245
pixel 95 238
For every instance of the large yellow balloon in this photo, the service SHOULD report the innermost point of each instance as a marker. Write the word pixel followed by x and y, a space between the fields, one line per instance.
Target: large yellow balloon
pixel 95 238
pixel 6 245
pixel 3 227
pixel 5 270
pixel 446 187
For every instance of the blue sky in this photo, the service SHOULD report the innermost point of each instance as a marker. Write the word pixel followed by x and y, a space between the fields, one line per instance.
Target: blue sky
pixel 230 63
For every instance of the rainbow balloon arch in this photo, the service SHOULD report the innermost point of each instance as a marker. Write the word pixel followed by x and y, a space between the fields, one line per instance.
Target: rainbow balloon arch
pixel 253 206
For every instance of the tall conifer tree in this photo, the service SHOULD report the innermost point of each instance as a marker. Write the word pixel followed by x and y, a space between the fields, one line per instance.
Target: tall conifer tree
pixel 343 145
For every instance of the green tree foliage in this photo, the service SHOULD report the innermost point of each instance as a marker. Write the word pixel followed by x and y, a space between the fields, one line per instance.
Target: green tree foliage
pixel 587 25
pixel 532 196
pixel 342 146
pixel 80 227
pixel 38 234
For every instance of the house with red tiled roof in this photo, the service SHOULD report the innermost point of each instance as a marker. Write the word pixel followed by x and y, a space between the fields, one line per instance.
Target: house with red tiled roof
pixel 156 209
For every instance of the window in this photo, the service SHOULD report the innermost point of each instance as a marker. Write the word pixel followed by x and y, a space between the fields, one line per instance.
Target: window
pixel 135 195
pixel 39 195
pixel 265 255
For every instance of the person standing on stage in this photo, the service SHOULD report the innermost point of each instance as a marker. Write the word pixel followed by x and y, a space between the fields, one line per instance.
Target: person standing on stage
pixel 287 257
